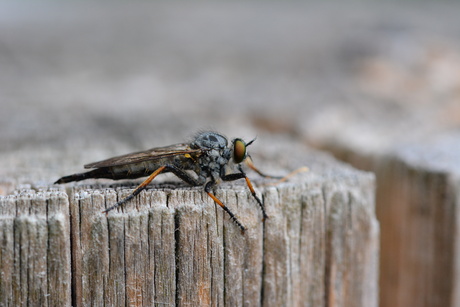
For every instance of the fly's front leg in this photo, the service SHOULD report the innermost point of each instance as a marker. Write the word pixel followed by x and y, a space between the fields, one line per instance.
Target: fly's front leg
pixel 254 168
pixel 207 189
pixel 236 176
pixel 280 178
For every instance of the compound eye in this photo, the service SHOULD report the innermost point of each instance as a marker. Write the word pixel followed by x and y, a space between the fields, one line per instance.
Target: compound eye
pixel 239 150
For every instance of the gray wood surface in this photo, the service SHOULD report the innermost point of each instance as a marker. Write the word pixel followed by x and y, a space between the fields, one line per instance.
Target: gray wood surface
pixel 35 249
pixel 418 209
pixel 423 201
pixel 173 246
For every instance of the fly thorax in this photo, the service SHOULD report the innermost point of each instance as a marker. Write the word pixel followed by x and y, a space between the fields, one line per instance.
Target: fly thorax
pixel 216 159
pixel 210 140
pixel 217 154
pixel 213 162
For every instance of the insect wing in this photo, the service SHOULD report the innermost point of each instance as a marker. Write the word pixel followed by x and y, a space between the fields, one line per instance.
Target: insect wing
pixel 147 155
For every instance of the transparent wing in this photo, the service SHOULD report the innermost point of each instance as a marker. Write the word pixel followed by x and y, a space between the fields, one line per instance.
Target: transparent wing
pixel 147 155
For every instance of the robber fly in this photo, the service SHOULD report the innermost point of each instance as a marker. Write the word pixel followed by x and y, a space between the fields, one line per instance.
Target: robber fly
pixel 209 156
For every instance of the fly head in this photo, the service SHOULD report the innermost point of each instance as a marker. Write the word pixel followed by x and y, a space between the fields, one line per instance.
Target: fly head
pixel 239 150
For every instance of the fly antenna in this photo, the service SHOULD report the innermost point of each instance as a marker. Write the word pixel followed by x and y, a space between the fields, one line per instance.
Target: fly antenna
pixel 250 142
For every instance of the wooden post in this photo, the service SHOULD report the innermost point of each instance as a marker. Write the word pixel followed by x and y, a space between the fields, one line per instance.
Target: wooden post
pixel 35 259
pixel 319 246
pixel 419 211
pixel 417 205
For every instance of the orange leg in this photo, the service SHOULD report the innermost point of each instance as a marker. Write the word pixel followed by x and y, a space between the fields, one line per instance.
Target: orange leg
pixel 255 169
pixel 240 175
pixel 139 189
pixel 281 179
pixel 253 192
pixel 232 216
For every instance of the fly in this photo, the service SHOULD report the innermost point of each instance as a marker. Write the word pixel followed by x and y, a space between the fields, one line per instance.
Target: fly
pixel 204 162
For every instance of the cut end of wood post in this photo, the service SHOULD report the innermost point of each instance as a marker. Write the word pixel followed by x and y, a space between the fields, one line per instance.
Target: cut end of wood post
pixel 176 246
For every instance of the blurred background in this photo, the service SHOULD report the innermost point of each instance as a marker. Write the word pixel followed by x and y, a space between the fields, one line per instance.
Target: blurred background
pixel 81 82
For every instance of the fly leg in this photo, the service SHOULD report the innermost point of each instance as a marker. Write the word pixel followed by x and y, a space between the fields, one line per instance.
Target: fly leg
pixel 240 175
pixel 168 168
pixel 255 169
pixel 139 189
pixel 281 178
pixel 207 189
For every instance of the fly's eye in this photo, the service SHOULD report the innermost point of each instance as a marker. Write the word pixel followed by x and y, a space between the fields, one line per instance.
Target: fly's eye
pixel 239 150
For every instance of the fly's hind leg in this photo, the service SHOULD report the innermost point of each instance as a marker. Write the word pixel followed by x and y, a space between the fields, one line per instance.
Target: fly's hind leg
pixel 185 177
pixel 168 168
pixel 139 189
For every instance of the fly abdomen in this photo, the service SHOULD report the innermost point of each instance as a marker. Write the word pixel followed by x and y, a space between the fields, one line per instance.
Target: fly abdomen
pixel 96 173
pixel 131 171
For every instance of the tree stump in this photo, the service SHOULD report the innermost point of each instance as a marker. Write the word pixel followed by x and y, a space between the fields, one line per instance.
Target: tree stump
pixel 172 245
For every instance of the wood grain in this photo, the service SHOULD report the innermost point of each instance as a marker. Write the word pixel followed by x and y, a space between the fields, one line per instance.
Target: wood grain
pixel 35 249
pixel 319 247
pixel 417 207
pixel 174 246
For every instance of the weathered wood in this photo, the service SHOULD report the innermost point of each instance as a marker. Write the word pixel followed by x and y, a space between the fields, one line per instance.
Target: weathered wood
pixel 418 209
pixel 174 246
pixel 420 188
pixel 35 249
